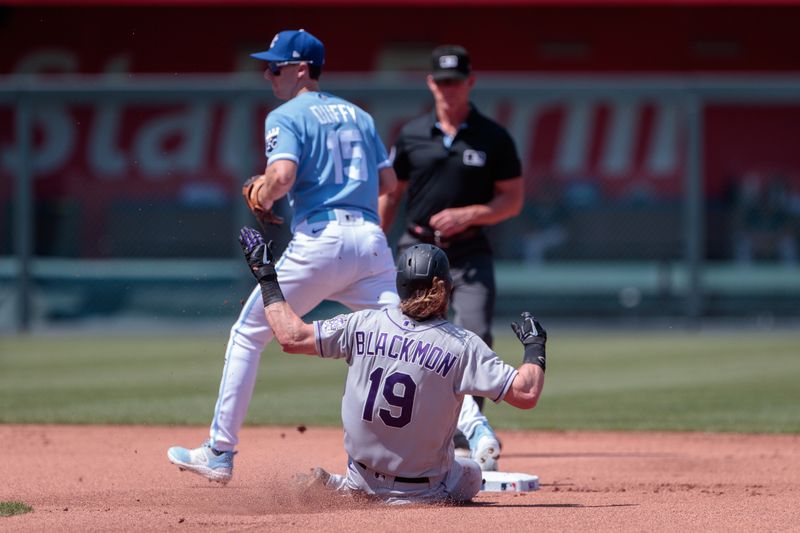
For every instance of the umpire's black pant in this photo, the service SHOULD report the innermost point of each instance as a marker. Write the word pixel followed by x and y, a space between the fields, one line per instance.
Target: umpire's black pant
pixel 473 295
pixel 472 300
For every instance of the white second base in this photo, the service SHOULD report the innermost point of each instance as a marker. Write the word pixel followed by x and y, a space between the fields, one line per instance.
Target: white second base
pixel 509 482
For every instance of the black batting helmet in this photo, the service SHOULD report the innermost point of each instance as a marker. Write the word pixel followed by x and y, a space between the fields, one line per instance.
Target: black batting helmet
pixel 418 265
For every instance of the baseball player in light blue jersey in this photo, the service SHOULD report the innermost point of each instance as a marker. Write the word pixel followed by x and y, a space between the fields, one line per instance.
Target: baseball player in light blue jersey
pixel 324 153
pixel 409 370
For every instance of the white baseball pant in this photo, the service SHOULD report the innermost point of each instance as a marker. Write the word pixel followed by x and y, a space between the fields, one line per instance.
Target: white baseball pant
pixel 460 484
pixel 346 259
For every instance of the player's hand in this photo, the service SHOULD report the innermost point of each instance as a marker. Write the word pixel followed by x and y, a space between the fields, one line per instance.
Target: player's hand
pixel 530 331
pixel 254 191
pixel 258 254
pixel 533 337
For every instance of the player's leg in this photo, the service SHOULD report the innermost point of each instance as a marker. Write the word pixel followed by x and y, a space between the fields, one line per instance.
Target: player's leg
pixel 463 481
pixel 460 484
pixel 318 481
pixel 248 336
pixel 470 416
pixel 304 286
pixel 473 306
pixel 483 444
pixel 373 281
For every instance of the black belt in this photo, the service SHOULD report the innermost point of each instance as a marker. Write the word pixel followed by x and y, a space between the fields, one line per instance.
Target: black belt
pixel 429 236
pixel 400 479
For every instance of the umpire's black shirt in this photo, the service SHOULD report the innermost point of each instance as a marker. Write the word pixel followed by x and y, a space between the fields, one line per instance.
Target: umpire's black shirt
pixel 440 177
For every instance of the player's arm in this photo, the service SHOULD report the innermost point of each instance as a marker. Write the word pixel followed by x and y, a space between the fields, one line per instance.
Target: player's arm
pixel 389 203
pixel 262 190
pixel 507 203
pixel 294 335
pixel 279 176
pixel 527 386
pixel 282 148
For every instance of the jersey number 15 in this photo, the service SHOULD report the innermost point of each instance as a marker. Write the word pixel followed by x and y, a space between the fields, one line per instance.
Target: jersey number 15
pixel 349 155
pixel 404 401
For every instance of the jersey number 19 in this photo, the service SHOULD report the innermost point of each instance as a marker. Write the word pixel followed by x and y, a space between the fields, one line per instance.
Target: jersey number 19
pixel 404 401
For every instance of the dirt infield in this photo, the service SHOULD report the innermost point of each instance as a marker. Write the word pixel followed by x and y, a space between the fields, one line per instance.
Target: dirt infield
pixel 117 478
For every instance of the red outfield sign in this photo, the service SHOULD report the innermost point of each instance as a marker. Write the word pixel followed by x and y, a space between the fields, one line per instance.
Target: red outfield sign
pixel 99 158
pixel 615 145
pixel 622 145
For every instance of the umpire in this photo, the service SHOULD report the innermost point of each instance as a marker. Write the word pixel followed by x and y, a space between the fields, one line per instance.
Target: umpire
pixel 462 172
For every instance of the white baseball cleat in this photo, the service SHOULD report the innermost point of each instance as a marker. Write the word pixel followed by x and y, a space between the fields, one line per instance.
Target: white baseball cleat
pixel 485 447
pixel 204 461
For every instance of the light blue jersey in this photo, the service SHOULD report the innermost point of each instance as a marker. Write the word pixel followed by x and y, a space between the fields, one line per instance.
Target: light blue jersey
pixel 337 151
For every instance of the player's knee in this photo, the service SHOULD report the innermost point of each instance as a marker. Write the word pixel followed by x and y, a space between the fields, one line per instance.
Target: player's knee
pixel 475 480
pixel 471 480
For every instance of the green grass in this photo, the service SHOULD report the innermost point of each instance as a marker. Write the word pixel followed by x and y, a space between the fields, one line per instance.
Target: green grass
pixel 13 508
pixel 708 382
pixel 726 381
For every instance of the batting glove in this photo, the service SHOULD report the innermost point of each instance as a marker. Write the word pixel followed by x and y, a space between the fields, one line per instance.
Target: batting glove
pixel 533 338
pixel 262 264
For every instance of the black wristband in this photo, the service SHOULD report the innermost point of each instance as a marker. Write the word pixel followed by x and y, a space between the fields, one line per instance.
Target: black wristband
pixel 535 355
pixel 270 289
pixel 271 292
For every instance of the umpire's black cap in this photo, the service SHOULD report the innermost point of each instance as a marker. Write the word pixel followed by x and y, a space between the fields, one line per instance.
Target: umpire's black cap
pixel 450 62
pixel 418 265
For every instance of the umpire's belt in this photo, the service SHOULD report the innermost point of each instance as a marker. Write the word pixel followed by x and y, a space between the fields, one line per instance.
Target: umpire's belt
pixel 398 479
pixel 429 236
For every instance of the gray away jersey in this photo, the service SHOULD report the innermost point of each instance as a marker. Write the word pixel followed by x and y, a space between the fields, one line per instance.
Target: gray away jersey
pixel 405 386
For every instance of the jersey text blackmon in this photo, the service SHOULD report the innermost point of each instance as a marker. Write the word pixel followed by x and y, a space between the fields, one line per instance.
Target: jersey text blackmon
pixel 425 354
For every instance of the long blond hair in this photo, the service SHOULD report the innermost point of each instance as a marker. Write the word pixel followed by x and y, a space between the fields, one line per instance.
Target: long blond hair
pixel 428 303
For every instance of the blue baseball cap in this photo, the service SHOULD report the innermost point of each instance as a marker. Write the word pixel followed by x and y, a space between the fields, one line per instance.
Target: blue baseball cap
pixel 294 45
